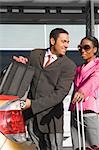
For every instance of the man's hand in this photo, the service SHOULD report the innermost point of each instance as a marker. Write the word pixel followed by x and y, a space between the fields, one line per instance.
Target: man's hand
pixel 78 96
pixel 21 59
pixel 25 104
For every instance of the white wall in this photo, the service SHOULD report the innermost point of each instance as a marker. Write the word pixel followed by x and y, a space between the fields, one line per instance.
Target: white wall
pixel 34 36
pixel 21 36
pixel 37 36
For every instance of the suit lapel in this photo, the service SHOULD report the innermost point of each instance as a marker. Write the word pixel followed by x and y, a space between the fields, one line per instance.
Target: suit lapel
pixel 41 57
pixel 84 72
pixel 53 64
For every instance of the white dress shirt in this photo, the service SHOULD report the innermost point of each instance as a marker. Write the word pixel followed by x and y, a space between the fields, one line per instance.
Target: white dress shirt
pixel 52 58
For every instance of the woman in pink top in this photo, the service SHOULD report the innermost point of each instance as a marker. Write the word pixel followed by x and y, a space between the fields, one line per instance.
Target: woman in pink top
pixel 86 85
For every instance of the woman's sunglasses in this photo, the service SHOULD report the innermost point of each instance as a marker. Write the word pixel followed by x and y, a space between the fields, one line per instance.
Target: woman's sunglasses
pixel 85 47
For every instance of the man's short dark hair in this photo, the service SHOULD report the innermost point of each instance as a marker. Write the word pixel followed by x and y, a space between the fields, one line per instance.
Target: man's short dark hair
pixel 55 33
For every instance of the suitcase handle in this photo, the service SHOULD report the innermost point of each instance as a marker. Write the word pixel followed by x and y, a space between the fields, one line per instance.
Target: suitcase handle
pixel 82 126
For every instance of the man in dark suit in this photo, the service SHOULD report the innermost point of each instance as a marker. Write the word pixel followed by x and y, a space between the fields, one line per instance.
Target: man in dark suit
pixel 51 83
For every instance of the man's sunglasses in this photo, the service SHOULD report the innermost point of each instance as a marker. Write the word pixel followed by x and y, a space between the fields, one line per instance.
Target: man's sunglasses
pixel 85 47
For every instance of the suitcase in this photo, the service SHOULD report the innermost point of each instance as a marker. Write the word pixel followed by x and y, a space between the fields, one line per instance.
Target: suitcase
pixel 16 79
pixel 14 86
pixel 80 121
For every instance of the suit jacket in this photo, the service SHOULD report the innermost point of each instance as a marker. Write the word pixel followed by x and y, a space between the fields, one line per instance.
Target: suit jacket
pixel 86 80
pixel 49 87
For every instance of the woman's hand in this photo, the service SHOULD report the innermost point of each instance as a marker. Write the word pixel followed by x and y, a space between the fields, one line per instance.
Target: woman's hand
pixel 21 59
pixel 78 96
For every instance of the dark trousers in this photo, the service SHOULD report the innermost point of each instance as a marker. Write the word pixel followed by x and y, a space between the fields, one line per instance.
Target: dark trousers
pixel 44 141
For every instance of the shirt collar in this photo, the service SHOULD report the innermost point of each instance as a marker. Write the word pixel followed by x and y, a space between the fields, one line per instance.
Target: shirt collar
pixel 48 52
